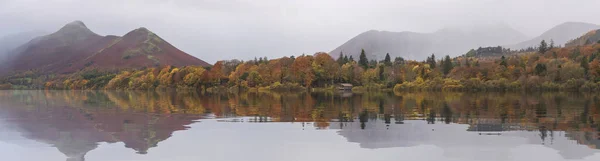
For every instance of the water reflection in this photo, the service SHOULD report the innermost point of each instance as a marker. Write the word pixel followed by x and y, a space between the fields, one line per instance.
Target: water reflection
pixel 478 126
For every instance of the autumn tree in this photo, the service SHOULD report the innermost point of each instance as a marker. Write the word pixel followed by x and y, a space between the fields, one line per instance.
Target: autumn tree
pixel 324 68
pixel 302 67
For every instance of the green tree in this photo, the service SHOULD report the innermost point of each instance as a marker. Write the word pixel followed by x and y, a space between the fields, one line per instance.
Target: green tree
pixel 340 59
pixel 351 59
pixel 503 61
pixel 362 60
pixel 381 70
pixel 540 69
pixel 543 47
pixel 431 61
pixel 447 65
pixel 388 60
pixel 398 60
pixel 585 65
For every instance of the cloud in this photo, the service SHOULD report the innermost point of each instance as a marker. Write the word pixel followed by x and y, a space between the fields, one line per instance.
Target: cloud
pixel 244 29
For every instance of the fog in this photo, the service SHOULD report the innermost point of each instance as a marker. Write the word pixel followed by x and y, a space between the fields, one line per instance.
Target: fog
pixel 214 29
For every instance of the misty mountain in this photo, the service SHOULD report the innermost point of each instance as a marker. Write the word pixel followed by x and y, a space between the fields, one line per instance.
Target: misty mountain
pixel 11 42
pixel 412 45
pixel 560 34
pixel 75 47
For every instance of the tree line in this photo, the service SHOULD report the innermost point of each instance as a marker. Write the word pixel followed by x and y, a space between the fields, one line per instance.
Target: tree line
pixel 547 68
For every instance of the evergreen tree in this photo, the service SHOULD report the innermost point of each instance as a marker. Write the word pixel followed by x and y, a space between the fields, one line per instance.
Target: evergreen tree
pixel 503 61
pixel 447 65
pixel 381 70
pixel 362 60
pixel 586 67
pixel 351 59
pixel 551 44
pixel 557 77
pixel 340 59
pixel 540 69
pixel 399 60
pixel 431 61
pixel 346 60
pixel 543 47
pixel 388 60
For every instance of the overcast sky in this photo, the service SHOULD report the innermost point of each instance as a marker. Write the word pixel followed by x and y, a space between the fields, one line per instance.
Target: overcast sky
pixel 227 29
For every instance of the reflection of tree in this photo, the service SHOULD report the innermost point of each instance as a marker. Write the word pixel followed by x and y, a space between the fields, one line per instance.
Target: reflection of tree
pixel 113 111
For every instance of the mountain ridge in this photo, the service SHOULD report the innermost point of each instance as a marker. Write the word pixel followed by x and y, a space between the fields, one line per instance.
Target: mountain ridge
pixel 414 45
pixel 69 49
pixel 560 34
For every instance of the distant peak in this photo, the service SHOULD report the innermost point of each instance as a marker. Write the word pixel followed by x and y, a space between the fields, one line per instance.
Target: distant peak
pixel 76 24
pixel 76 27
pixel 142 29
pixel 576 23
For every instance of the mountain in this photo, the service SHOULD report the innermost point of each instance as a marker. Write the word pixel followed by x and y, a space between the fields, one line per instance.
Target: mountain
pixel 412 45
pixel 10 42
pixel 74 47
pixel 138 48
pixel 560 34
pixel 589 38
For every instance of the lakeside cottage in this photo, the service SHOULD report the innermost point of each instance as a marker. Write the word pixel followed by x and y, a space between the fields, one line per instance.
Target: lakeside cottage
pixel 345 86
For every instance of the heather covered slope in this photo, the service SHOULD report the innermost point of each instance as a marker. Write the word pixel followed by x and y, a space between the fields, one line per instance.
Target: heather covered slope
pixel 138 48
pixel 57 50
pixel 587 39
pixel 75 47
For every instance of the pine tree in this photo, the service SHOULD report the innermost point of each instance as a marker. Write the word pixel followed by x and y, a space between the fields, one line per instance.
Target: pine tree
pixel 340 59
pixel 362 60
pixel 543 47
pixel 447 65
pixel 388 60
pixel 351 59
pixel 346 60
pixel 431 61
pixel 586 67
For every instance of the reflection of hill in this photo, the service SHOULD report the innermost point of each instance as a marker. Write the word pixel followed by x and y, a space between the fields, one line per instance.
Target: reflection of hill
pixel 456 140
pixel 76 130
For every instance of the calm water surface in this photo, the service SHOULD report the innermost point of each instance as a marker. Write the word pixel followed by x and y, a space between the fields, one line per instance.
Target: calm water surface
pixel 186 126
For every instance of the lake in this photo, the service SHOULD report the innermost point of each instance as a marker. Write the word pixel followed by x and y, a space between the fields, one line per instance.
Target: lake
pixel 267 126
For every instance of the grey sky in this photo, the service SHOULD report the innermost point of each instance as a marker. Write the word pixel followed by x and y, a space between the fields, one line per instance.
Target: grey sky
pixel 227 29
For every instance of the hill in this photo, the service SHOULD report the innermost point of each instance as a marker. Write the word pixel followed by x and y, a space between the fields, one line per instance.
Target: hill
pixel 560 34
pixel 75 47
pixel 417 46
pixel 138 48
pixel 587 39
